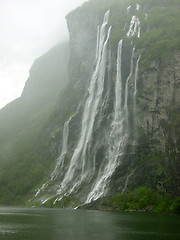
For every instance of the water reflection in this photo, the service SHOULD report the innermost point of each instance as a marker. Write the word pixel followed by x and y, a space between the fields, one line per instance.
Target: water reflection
pixel 60 224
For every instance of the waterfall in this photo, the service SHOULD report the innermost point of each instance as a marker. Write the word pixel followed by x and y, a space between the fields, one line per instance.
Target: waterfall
pixel 129 79
pixel 134 27
pixel 128 9
pixel 97 44
pixel 60 160
pixel 137 6
pixel 135 97
pixel 118 86
pixel 116 137
pixel 135 82
pixel 146 17
pixel 119 132
pixel 127 181
pixel 130 102
pixel 95 90
pixel 84 166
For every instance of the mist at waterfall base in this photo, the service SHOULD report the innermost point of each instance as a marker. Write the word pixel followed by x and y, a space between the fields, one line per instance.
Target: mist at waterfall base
pixel 67 224
pixel 28 30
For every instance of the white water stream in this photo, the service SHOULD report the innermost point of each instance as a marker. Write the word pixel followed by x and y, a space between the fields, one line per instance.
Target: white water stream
pixel 116 137
pixel 134 28
pixel 80 170
pixel 78 160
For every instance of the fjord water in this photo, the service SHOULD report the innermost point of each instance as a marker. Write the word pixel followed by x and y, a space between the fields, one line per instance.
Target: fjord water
pixel 68 224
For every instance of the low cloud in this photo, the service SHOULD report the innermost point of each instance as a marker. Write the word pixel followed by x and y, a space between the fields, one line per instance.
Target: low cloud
pixel 28 29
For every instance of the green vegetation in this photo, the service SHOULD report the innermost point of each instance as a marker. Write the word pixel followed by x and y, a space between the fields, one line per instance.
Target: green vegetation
pixel 160 35
pixel 142 199
pixel 163 37
pixel 26 155
pixel 29 159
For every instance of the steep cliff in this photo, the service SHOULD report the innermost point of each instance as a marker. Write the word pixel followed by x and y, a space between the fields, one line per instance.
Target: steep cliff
pixel 123 133
pixel 116 126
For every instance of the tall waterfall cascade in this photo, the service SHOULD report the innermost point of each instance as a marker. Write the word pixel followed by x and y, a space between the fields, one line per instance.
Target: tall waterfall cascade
pixel 83 167
pixel 95 90
pixel 116 137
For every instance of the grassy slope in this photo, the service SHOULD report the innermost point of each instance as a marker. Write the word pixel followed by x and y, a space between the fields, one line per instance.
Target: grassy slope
pixel 140 199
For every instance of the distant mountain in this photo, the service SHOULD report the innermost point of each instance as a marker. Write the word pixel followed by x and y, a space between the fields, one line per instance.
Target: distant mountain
pixel 25 154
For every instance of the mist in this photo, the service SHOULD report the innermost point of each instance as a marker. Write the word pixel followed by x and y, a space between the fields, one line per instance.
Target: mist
pixel 28 29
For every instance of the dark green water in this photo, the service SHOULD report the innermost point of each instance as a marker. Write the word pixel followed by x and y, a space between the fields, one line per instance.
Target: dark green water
pixel 60 224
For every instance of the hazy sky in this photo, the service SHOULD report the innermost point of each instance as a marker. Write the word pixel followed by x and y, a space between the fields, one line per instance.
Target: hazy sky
pixel 28 28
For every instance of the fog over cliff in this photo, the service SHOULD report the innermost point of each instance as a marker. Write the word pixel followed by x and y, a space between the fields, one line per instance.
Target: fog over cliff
pixel 28 29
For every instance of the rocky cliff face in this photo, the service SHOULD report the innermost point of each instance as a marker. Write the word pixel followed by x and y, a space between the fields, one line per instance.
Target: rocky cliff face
pixel 158 119
pixel 159 98
pixel 155 162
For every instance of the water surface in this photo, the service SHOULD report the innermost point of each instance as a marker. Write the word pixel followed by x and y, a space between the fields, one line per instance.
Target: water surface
pixel 66 224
